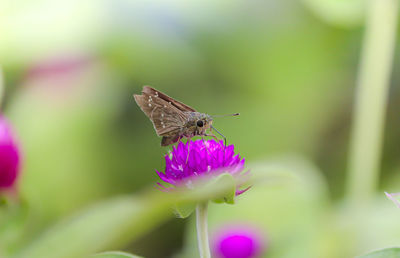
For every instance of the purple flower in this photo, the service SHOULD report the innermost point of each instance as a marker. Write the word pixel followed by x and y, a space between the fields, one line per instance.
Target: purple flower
pixel 238 241
pixel 196 160
pixel 9 155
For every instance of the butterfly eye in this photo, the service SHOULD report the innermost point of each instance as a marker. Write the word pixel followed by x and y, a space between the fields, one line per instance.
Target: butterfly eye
pixel 200 123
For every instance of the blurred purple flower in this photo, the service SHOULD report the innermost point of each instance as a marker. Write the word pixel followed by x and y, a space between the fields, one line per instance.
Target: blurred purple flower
pixel 238 241
pixel 60 78
pixel 194 160
pixel 9 155
pixel 392 198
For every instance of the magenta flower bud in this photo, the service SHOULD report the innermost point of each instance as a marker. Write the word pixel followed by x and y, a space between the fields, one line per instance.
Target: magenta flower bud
pixel 9 155
pixel 196 160
pixel 238 241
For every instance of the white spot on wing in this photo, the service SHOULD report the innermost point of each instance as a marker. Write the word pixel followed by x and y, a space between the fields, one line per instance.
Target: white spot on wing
pixel 149 105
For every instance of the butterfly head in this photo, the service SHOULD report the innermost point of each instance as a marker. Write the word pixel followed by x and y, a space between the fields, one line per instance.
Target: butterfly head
pixel 203 122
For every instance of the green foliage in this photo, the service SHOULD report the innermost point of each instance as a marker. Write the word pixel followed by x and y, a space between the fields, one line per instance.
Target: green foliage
pixel 348 14
pixel 286 203
pixel 384 253
pixel 183 210
pixel 115 223
pixel 115 254
pixel 288 67
pixel 229 195
pixel 109 223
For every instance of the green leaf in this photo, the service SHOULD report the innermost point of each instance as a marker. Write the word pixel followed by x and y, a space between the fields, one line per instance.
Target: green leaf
pixel 107 225
pixel 115 223
pixel 115 254
pixel 384 253
pixel 224 181
pixel 229 195
pixel 350 13
pixel 183 210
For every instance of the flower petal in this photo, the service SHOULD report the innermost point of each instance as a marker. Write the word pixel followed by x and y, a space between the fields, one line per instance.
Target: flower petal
pixel 164 178
pixel 190 161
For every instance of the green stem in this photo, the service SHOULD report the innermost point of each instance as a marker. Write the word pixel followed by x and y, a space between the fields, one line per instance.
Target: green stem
pixel 1 86
pixel 202 230
pixel 371 99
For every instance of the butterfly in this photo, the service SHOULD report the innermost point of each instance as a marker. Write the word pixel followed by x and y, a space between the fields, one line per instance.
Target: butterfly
pixel 172 119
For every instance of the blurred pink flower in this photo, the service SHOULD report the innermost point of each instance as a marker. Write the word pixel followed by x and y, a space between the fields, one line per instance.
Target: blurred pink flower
pixel 238 241
pixel 58 66
pixel 62 78
pixel 9 155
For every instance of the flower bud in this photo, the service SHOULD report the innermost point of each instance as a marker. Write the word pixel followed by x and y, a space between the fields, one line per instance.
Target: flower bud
pixel 9 155
pixel 238 241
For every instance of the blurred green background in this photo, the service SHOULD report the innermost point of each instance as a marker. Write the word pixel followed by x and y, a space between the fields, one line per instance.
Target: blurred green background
pixel 288 67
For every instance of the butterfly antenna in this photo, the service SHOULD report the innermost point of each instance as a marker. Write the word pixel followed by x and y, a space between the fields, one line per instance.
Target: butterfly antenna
pixel 235 114
pixel 219 134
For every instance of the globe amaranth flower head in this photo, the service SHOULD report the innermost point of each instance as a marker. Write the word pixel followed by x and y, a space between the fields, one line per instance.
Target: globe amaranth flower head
pixel 196 160
pixel 238 241
pixel 9 155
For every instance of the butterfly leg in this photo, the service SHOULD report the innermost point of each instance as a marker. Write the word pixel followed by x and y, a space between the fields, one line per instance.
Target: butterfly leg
pixel 212 127
pixel 205 145
pixel 215 137
pixel 188 142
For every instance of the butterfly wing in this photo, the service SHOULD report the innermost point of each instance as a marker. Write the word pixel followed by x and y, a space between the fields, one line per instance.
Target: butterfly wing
pixel 179 105
pixel 167 119
pixel 167 140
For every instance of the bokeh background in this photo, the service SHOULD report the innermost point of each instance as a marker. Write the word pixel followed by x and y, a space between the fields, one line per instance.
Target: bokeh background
pixel 289 67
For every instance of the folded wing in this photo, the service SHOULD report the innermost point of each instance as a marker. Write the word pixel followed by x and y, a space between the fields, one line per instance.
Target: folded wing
pixel 167 119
